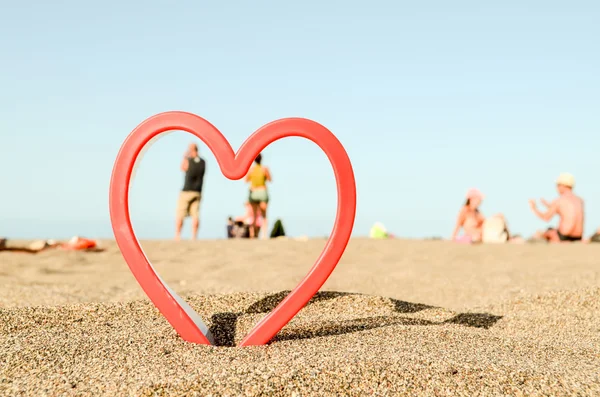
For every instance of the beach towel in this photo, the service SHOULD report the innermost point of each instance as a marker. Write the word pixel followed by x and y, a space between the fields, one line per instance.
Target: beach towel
pixel 494 231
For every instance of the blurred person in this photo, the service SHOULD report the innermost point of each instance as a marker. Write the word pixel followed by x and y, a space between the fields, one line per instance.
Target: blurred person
pixel 188 204
pixel 570 209
pixel 469 218
pixel 258 196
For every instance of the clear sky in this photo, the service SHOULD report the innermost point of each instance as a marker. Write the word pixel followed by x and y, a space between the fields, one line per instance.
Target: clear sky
pixel 429 98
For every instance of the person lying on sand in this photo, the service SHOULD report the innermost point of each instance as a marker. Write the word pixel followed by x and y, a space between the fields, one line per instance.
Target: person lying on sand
pixel 570 209
pixel 32 248
pixel 75 244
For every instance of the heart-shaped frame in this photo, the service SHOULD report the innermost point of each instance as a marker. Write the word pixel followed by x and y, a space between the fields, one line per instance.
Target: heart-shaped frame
pixel 234 166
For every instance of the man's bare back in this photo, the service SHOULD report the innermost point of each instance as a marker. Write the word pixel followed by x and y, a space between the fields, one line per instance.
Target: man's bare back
pixel 570 209
pixel 571 212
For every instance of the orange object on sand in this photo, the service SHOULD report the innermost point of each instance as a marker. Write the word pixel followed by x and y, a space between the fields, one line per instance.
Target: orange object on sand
pixel 79 243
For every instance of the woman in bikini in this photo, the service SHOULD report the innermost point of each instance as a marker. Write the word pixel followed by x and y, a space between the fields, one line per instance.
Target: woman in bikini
pixel 470 219
pixel 258 195
pixel 476 228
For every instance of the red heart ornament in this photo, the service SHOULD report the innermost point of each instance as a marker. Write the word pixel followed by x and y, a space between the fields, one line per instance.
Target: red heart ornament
pixel 234 166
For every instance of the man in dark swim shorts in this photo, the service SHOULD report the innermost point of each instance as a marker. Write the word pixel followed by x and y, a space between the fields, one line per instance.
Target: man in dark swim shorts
pixel 561 236
pixel 569 208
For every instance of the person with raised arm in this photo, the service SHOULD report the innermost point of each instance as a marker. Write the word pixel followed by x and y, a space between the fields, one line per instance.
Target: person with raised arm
pixel 570 209
pixel 190 196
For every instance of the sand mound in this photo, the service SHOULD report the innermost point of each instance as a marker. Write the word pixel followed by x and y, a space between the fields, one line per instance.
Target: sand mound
pixel 341 343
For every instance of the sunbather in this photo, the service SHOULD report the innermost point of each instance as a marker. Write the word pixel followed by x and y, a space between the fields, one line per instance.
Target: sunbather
pixel 32 248
pixel 469 219
pixel 476 228
pixel 74 244
pixel 570 209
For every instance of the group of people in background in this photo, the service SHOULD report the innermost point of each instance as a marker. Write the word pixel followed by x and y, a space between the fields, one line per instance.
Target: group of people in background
pixel 474 225
pixel 190 197
pixel 568 207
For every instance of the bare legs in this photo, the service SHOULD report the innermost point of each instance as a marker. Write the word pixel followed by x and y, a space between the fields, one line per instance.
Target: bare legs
pixel 265 228
pixel 552 236
pixel 179 226
pixel 259 209
pixel 255 212
pixel 195 226
pixel 188 205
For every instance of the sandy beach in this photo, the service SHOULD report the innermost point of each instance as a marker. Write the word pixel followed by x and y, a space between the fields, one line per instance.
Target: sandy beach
pixel 397 317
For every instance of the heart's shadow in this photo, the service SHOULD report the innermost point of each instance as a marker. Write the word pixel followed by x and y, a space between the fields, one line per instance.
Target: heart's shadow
pixel 224 326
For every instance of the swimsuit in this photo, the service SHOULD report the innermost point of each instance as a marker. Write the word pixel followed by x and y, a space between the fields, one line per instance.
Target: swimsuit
pixel 562 237
pixel 258 177
pixel 258 196
pixel 258 183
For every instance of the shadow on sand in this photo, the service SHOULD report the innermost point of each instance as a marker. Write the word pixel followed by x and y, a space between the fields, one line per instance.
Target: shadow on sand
pixel 224 325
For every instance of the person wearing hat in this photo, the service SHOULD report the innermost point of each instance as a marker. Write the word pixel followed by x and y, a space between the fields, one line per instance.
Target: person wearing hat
pixel 476 227
pixel 469 219
pixel 570 209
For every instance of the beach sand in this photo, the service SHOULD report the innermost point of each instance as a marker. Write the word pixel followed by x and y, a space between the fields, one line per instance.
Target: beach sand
pixel 397 317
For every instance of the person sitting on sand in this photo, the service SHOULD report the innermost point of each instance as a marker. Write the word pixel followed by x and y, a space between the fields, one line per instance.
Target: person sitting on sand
pixel 248 217
pixel 475 226
pixel 258 176
pixel 570 209
pixel 240 225
pixel 470 218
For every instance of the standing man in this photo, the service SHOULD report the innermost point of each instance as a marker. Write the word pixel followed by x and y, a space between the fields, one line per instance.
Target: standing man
pixel 568 207
pixel 191 194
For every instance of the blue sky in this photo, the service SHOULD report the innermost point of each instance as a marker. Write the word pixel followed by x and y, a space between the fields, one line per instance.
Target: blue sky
pixel 429 98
